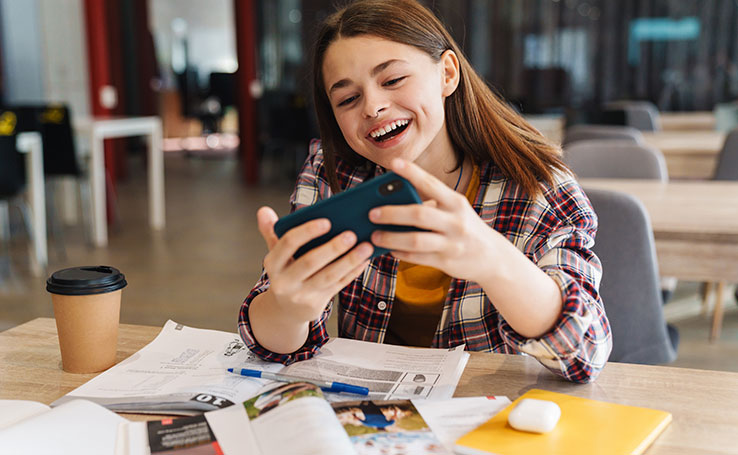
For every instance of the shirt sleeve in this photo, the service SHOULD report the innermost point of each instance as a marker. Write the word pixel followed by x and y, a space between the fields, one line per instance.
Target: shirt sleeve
pixel 579 344
pixel 310 188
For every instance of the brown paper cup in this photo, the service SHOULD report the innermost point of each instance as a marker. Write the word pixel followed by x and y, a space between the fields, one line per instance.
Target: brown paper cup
pixel 88 330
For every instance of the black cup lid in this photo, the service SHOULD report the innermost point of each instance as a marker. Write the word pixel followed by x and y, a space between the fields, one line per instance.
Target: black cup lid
pixel 96 279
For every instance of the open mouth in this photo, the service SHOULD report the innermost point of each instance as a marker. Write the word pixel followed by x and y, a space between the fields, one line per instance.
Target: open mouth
pixel 389 131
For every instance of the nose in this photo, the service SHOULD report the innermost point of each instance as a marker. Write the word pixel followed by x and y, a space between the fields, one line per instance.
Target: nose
pixel 374 103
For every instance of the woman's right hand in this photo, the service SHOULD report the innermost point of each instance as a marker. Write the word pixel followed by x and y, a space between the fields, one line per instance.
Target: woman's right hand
pixel 302 287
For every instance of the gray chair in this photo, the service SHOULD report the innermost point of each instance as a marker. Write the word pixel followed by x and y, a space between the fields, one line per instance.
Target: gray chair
pixel 577 133
pixel 615 159
pixel 642 115
pixel 726 116
pixel 727 166
pixel 727 169
pixel 630 282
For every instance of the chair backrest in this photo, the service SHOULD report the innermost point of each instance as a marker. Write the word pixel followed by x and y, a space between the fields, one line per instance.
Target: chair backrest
pixel 727 166
pixel 642 115
pixel 615 160
pixel 12 164
pixel 630 286
pixel 588 132
pixel 726 116
pixel 54 123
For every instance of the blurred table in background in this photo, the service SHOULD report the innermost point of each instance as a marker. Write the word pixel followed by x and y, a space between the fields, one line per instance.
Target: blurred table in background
pixel 695 224
pixel 550 125
pixel 95 131
pixel 688 154
pixel 687 121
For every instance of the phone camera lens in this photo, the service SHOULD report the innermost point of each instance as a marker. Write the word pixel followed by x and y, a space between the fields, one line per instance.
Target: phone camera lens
pixel 390 187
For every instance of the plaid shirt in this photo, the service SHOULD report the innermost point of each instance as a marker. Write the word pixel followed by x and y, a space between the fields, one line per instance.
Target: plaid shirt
pixel 555 230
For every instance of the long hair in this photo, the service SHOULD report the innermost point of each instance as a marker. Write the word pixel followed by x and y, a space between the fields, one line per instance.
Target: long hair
pixel 480 125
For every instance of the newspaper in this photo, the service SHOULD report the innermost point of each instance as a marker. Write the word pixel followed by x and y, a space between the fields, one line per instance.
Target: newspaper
pixel 183 372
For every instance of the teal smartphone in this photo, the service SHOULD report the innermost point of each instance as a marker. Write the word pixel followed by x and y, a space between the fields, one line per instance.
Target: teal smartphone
pixel 349 211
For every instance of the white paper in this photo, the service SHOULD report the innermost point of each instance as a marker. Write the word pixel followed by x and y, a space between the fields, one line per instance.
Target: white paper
pixel 302 427
pixel 13 411
pixel 390 372
pixel 78 427
pixel 232 430
pixel 451 419
pixel 133 439
pixel 182 371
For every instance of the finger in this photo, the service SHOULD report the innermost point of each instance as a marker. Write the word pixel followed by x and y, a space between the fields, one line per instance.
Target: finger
pixel 349 277
pixel 336 287
pixel 318 258
pixel 266 217
pixel 429 259
pixel 336 272
pixel 296 237
pixel 419 242
pixel 421 216
pixel 427 185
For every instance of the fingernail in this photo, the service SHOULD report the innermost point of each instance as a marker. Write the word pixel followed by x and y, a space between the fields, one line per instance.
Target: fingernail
pixel 374 214
pixel 365 250
pixel 348 238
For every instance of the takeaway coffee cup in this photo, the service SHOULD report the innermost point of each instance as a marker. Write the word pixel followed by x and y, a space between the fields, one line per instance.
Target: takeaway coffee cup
pixel 87 310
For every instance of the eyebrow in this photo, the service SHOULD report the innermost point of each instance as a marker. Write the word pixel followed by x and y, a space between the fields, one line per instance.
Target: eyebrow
pixel 376 70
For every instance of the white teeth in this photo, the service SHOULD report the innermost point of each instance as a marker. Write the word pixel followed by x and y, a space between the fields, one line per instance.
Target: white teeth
pixel 381 131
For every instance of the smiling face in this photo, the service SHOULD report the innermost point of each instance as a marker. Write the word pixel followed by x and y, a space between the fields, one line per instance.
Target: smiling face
pixel 388 100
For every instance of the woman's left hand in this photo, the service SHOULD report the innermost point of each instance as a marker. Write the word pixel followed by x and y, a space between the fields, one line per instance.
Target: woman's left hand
pixel 458 242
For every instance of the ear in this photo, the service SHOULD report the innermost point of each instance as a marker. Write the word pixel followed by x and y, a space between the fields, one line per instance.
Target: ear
pixel 451 74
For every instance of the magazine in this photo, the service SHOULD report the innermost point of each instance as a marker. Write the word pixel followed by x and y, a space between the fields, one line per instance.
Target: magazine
pixel 183 371
pixel 294 418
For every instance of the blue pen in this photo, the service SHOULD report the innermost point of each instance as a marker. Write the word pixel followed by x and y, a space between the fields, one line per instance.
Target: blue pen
pixel 328 386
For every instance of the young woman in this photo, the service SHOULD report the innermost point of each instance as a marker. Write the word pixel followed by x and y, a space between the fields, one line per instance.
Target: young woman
pixel 505 263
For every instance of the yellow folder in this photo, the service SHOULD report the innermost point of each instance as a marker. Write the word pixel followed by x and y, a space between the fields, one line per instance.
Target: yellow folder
pixel 585 427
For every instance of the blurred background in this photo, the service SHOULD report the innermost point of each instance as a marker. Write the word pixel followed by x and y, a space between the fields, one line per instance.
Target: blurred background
pixel 228 81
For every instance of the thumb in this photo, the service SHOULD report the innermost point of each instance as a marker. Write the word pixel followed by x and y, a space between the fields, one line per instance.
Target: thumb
pixel 266 218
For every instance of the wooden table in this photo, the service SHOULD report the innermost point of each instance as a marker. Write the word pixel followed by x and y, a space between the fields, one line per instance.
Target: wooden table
pixel 687 121
pixel 704 404
pixel 695 225
pixel 550 125
pixel 688 154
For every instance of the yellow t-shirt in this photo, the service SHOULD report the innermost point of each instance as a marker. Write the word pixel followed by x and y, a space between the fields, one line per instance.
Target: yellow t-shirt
pixel 420 292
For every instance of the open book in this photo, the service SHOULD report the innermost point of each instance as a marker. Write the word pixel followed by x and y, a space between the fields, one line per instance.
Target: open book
pixel 77 427
pixel 295 418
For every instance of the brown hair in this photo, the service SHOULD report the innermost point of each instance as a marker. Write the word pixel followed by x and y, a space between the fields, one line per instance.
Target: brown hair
pixel 479 123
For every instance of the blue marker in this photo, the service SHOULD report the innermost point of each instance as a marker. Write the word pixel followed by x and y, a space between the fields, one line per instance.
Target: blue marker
pixel 327 386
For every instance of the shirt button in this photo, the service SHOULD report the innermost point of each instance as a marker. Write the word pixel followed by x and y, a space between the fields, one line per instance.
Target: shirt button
pixel 382 305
